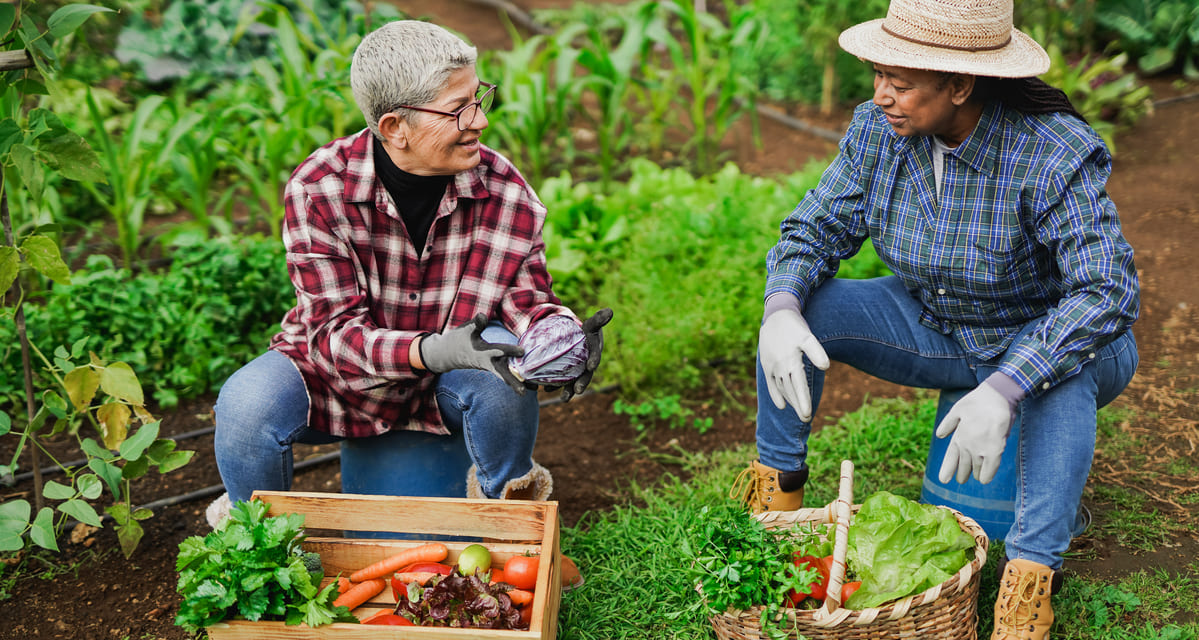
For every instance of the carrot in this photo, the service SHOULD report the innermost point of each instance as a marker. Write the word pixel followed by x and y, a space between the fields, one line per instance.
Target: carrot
pixel 520 597
pixel 359 593
pixel 497 575
pixel 343 584
pixel 429 552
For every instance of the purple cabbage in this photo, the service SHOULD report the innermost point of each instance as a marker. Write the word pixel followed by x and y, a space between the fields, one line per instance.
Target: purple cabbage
pixel 555 352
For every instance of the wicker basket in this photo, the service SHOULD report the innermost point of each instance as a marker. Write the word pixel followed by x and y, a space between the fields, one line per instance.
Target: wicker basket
pixel 948 611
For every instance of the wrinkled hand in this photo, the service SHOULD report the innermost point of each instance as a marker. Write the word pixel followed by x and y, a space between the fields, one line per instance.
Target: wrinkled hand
pixel 980 423
pixel 463 347
pixel 593 328
pixel 783 341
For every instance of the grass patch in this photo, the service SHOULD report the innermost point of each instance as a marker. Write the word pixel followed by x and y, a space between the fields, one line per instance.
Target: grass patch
pixel 1132 522
pixel 1147 605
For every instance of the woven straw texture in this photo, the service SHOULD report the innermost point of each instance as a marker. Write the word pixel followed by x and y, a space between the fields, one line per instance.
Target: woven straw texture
pixel 948 611
pixel 960 36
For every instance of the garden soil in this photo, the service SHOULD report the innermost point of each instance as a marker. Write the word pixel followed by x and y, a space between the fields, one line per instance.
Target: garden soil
pixel 594 453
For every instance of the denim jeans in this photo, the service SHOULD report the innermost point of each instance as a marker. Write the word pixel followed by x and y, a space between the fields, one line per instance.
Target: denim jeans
pixel 262 410
pixel 873 325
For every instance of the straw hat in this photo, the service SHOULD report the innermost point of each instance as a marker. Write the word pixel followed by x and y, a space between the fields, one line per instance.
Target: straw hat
pixel 960 36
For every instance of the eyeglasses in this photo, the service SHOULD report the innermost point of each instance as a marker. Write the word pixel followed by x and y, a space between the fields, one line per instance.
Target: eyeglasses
pixel 465 115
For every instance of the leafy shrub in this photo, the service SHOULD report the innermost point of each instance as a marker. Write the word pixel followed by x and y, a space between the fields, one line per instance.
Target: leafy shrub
pixel 1101 90
pixel 786 65
pixel 679 259
pixel 183 330
pixel 1160 35
pixel 199 40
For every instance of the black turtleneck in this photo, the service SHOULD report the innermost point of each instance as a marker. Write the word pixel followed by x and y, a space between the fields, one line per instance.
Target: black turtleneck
pixel 416 196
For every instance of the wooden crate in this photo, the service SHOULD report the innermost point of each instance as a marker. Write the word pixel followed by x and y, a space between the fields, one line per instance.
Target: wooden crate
pixel 506 527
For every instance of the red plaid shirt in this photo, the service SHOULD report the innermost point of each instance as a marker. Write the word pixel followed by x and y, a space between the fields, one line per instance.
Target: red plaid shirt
pixel 363 294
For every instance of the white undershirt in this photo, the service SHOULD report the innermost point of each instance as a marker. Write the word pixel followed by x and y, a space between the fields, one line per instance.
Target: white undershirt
pixel 939 151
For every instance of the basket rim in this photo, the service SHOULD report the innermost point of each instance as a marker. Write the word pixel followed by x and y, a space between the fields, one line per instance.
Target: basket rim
pixel 895 609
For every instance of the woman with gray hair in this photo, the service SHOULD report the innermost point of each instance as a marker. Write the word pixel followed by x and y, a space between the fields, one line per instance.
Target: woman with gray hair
pixel 417 257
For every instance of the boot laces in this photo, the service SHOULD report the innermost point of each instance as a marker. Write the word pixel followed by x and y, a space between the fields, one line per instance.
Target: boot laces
pixel 745 486
pixel 1018 612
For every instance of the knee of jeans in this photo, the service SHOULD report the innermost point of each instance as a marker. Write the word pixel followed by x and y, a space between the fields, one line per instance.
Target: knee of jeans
pixel 496 333
pixel 241 422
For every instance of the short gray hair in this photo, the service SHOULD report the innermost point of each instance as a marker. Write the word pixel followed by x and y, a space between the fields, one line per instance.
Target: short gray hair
pixel 404 62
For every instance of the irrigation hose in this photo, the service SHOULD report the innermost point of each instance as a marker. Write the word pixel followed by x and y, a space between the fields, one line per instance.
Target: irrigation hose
pixel 207 491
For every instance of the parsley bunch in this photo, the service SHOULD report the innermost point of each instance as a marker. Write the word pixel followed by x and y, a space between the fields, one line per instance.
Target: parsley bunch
pixel 253 566
pixel 739 563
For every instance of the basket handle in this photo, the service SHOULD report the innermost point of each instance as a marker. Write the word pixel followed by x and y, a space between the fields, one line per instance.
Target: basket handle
pixel 842 509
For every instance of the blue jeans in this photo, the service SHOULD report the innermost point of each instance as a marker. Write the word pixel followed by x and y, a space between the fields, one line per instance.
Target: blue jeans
pixel 873 325
pixel 262 410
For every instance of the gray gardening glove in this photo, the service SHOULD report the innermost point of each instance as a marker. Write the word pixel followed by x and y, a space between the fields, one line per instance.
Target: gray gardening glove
pixel 783 341
pixel 593 328
pixel 980 423
pixel 463 347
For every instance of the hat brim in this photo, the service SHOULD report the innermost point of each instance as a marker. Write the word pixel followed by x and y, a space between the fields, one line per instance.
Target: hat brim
pixel 1022 57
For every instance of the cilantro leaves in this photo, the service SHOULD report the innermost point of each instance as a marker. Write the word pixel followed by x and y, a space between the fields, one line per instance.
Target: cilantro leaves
pixel 253 567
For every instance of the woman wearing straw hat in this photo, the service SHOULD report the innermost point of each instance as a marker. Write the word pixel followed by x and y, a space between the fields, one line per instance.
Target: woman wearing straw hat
pixel 982 189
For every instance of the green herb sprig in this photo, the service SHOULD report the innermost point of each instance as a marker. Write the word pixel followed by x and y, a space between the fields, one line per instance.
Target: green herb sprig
pixel 739 563
pixel 252 566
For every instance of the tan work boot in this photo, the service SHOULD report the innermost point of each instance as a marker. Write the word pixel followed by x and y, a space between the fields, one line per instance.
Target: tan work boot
pixel 1022 610
pixel 764 488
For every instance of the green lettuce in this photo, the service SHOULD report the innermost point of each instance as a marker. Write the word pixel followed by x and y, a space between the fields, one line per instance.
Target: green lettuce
pixel 898 548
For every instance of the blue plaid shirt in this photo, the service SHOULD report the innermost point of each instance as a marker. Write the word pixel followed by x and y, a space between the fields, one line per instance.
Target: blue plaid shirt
pixel 1023 231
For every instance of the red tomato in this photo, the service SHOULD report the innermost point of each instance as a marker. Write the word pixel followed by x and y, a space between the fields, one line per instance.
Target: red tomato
pixel 428 567
pixel 847 590
pixel 497 575
pixel 526 616
pixel 389 619
pixel 819 588
pixel 521 571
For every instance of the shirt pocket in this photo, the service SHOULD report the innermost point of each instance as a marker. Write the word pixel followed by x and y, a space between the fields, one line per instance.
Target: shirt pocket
pixel 992 273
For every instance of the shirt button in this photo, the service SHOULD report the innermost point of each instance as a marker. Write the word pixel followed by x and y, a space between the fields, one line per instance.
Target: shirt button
pixel 941 292
pixel 1046 386
pixel 1091 356
pixel 412 296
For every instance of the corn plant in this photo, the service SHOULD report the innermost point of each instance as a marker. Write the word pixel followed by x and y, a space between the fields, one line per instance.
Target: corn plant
pixel 135 160
pixel 198 166
pixel 610 83
pixel 294 107
pixel 717 96
pixel 537 94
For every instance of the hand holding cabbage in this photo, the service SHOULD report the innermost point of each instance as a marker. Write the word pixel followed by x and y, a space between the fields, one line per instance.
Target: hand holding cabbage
pixel 559 352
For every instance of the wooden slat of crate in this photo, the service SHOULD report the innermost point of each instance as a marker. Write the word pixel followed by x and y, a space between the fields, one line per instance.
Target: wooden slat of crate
pixel 510 520
pixel 526 525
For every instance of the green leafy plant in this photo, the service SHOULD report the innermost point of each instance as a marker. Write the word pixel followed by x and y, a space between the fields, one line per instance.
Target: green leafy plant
pixel 33 144
pixel 200 41
pixel 738 563
pixel 717 95
pixel 609 59
pixel 253 566
pixel 134 160
pixel 796 57
pixel 1101 90
pixel 299 100
pixel 185 329
pixel 664 409
pixel 1160 35
pixel 537 94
